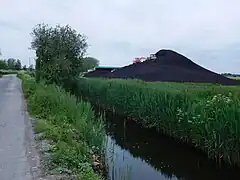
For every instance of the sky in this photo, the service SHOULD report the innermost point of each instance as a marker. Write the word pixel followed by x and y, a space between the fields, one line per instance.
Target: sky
pixel 206 31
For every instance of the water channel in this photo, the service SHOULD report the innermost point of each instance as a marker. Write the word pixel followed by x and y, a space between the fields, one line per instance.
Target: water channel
pixel 137 153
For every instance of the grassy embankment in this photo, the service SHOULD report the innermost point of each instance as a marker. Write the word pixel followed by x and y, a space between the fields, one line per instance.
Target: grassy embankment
pixel 5 72
pixel 77 135
pixel 205 115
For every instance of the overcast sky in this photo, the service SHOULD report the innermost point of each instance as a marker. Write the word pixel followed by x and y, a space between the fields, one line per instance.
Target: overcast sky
pixel 206 31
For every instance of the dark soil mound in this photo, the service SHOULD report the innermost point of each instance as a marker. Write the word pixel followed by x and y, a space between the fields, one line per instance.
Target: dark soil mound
pixel 170 66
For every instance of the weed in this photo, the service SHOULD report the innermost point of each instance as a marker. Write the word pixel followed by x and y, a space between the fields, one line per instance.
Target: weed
pixel 71 125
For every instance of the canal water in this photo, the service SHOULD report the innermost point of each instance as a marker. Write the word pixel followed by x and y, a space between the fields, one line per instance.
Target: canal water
pixel 137 153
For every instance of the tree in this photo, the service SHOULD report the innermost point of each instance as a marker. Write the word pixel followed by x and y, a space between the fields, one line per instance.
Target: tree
pixel 30 68
pixel 18 65
pixel 24 67
pixel 3 64
pixel 89 63
pixel 59 53
pixel 11 63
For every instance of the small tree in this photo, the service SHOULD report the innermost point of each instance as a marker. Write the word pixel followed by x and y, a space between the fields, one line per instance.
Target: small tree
pixel 11 63
pixel 18 65
pixel 89 63
pixel 30 68
pixel 24 68
pixel 59 53
pixel 3 64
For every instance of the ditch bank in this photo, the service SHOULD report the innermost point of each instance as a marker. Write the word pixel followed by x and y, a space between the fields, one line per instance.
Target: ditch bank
pixel 73 138
pixel 204 116
pixel 134 152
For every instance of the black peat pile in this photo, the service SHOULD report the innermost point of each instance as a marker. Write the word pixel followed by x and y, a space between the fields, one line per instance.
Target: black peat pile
pixel 170 66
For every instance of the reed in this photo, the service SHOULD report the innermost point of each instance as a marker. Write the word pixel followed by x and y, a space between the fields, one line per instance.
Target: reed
pixel 204 115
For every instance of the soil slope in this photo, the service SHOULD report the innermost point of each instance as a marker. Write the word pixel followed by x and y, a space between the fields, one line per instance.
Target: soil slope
pixel 172 67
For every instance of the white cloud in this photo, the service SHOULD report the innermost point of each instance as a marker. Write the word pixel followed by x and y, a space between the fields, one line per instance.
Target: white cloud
pixel 118 31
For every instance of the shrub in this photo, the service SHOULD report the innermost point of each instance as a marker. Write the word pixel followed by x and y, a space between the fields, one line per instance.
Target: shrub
pixel 59 52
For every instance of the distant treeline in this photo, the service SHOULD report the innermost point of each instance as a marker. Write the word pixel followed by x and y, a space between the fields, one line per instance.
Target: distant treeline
pixel 13 64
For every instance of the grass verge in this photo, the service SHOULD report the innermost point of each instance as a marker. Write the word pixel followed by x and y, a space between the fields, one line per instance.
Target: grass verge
pixel 5 72
pixel 76 135
pixel 232 77
pixel 204 115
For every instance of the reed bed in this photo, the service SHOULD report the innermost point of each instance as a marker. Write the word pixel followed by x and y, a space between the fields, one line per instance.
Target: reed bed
pixel 204 115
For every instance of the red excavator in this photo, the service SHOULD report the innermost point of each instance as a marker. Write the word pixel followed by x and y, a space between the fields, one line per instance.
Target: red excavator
pixel 141 59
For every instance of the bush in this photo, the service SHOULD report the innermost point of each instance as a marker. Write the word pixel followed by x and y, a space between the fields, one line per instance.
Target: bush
pixel 76 132
pixel 204 115
pixel 59 52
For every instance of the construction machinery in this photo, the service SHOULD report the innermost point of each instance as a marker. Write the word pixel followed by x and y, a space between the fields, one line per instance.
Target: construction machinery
pixel 141 59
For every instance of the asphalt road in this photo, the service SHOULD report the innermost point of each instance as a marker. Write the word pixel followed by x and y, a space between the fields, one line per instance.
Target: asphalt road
pixel 19 159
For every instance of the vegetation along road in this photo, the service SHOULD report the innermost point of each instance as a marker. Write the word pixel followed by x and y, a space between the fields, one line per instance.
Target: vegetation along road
pixel 18 157
pixel 110 127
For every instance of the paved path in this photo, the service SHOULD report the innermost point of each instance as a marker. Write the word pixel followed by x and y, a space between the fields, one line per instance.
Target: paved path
pixel 18 157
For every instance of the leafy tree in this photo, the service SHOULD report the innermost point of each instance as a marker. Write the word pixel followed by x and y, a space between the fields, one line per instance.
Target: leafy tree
pixel 11 63
pixel 30 68
pixel 18 65
pixel 59 52
pixel 24 67
pixel 3 64
pixel 89 63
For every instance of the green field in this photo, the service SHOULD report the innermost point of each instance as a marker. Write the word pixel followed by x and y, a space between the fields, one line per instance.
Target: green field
pixel 231 77
pixel 204 115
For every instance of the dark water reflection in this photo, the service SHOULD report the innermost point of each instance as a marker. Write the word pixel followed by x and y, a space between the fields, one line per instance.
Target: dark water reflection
pixel 136 153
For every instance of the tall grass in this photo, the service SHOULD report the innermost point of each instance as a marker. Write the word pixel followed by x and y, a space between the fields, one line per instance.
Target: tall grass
pixel 205 115
pixel 76 133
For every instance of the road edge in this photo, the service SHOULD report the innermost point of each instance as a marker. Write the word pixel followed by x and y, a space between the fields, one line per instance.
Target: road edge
pixel 32 151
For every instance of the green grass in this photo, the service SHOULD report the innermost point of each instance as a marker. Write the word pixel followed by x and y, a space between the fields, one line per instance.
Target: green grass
pixel 5 72
pixel 76 133
pixel 236 77
pixel 232 77
pixel 204 115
